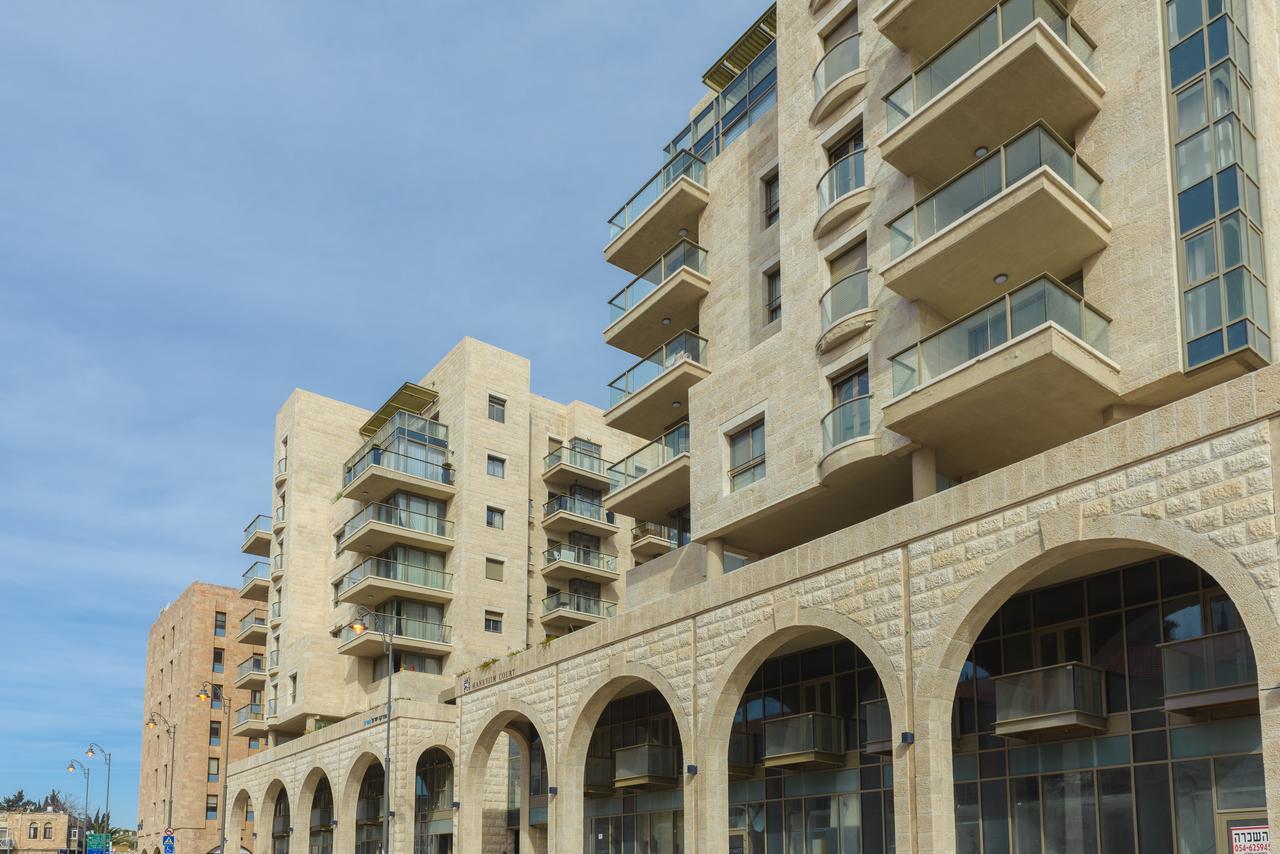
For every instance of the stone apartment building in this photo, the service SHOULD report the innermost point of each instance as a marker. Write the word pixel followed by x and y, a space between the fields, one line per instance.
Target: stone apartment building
pixel 944 486
pixel 40 832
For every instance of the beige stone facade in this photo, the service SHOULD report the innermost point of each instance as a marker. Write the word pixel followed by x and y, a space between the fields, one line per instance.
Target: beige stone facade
pixel 40 832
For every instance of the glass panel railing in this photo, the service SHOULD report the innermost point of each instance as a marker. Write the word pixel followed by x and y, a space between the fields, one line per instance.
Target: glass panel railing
pixel 740 753
pixel 261 524
pixel 993 29
pixel 652 456
pixel 599 772
pixel 842 59
pixel 1040 302
pixel 252 664
pixel 402 627
pixel 275 610
pixel 1054 690
pixel 845 297
pixel 683 254
pixel 280 514
pixel 574 457
pixel 282 466
pixel 578 507
pixel 400 428
pixel 273 659
pixel 381 567
pixel 682 164
pixel 878 721
pixel 1208 663
pixel 991 176
pixel 805 733
pixel 256 570
pixel 277 561
pixel 412 466
pixel 582 557
pixel 256 617
pixel 644 760
pixel 271 708
pixel 251 712
pixel 578 603
pixel 847 421
pixel 653 529
pixel 685 346
pixel 847 174
pixel 390 515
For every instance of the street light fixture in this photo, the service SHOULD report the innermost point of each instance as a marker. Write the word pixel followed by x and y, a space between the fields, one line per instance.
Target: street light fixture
pixel 93 750
pixel 154 721
pixel 71 769
pixel 206 693
pixel 367 620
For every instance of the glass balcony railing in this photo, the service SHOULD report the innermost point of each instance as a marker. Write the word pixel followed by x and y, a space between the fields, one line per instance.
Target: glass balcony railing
pixel 391 515
pixel 256 570
pixel 804 733
pixel 987 179
pixel 684 254
pixel 252 664
pixel 250 712
pixel 271 708
pixel 599 772
pixel 277 561
pixel 578 507
pixel 261 524
pixel 412 466
pixel 256 617
pixel 652 456
pixel 579 604
pixel 280 513
pixel 273 659
pixel 653 529
pixel 847 174
pixel 741 754
pixel 381 567
pixel 847 421
pixel 402 627
pixel 684 347
pixel 581 556
pixel 1208 663
pixel 1048 691
pixel 682 164
pixel 842 299
pixel 574 457
pixel 644 760
pixel 1042 301
pixel 977 43
pixel 282 466
pixel 839 61
pixel 879 723
pixel 409 426
pixel 275 611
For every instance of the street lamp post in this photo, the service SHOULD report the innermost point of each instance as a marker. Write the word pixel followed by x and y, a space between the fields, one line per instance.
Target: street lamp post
pixel 154 721
pixel 71 769
pixel 208 692
pixel 360 625
pixel 92 750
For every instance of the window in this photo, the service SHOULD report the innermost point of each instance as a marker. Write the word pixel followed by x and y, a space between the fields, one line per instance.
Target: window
pixel 254 744
pixel 48 830
pixel 746 456
pixel 771 200
pixel 33 831
pixel 217 661
pixel 215 697
pixel 493 569
pixel 733 562
pixel 497 409
pixel 210 807
pixel 219 624
pixel 497 466
pixel 493 622
pixel 215 733
pixel 493 517
pixel 412 662
pixel 773 296
pixel 293 687
pixel 213 769
pixel 75 833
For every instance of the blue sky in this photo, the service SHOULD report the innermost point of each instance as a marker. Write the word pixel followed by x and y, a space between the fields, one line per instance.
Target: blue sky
pixel 204 205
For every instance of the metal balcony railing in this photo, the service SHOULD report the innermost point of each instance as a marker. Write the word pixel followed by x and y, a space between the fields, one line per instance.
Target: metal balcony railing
pixel 652 456
pixel 681 165
pixel 573 457
pixel 581 556
pixel 579 604
pixel 684 254
pixel 398 516
pixel 685 346
pixel 653 529
pixel 404 627
pixel 380 567
pixel 578 507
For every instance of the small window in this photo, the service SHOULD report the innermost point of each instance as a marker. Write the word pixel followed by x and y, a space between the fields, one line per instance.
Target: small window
pixel 33 831
pixel 215 697
pixel 773 296
pixel 497 466
pixel 254 744
pixel 75 833
pixel 217 661
pixel 494 518
pixel 493 622
pixel 733 562
pixel 497 409
pixel 493 569
pixel 215 733
pixel 770 200
pixel 293 687
pixel 746 456
pixel 48 830
pixel 219 624
pixel 213 769
pixel 210 807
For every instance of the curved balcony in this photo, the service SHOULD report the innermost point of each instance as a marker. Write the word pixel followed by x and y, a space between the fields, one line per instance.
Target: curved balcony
pixel 278 523
pixel 1017 65
pixel 1029 207
pixel 847 439
pixel 565 562
pixel 566 513
pixel 1022 374
pixel 257 536
pixel 670 201
pixel 649 539
pixel 377 527
pixel 643 397
pixel 378 579
pixel 1061 698
pixel 571 610
pixel 838 77
pixel 665 296
pixel 654 480
pixel 277 614
pixel 406 634
pixel 845 310
pixel 273 661
pixel 567 465
pixel 843 193
pixel 1211 670
pixel 282 471
pixel 253 627
pixel 255 582
pixel 377 473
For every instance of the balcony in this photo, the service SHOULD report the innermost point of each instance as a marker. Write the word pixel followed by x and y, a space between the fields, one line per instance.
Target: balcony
pixel 273 661
pixel 840 76
pixel 254 582
pixel 406 634
pixel 377 527
pixel 378 579
pixel 250 673
pixel 672 201
pixel 597 780
pixel 879 726
pixel 277 615
pixel 843 193
pixel 1029 207
pixel 565 513
pixel 277 566
pixel 271 709
pixel 654 480
pixel 645 766
pixel 847 438
pixel 566 466
pixel 282 471
pixel 644 397
pixel 249 720
pixel 804 741
pixel 663 297
pixel 649 540
pixel 923 27
pixel 1211 670
pixel 565 562
pixel 253 627
pixel 1012 68
pixel 257 536
pixel 845 310
pixel 1026 373
pixel 277 524
pixel 742 761
pixel 377 473
pixel 573 610
pixel 1060 699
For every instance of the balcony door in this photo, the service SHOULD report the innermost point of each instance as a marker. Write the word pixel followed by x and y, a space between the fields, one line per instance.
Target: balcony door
pixel 1060 644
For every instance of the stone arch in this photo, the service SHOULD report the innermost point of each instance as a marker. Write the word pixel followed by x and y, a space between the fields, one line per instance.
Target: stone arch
pixel 345 804
pixel 307 792
pixel 240 805
pixel 422 746
pixel 264 815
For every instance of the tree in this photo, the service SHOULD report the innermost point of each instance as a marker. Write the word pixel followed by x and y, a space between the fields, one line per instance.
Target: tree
pixel 18 802
pixel 59 802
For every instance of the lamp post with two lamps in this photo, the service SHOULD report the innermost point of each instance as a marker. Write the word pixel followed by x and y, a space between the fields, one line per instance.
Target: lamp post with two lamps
pixel 71 769
pixel 206 693
pixel 154 721
pixel 367 620
pixel 91 751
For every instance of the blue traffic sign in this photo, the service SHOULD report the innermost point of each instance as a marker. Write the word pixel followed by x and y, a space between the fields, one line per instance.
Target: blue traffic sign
pixel 168 845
